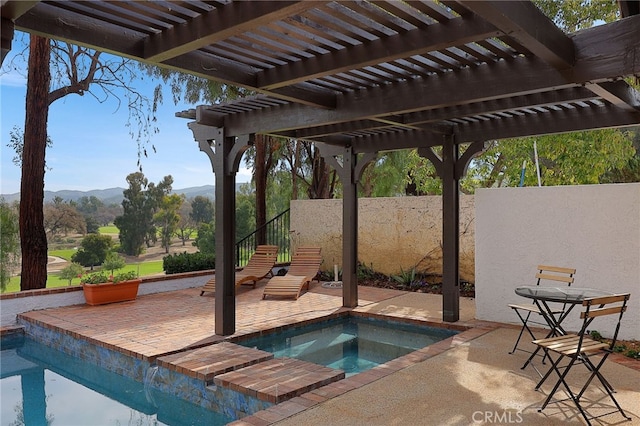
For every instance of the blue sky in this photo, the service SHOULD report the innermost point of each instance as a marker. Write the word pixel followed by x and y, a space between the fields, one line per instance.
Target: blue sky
pixel 92 148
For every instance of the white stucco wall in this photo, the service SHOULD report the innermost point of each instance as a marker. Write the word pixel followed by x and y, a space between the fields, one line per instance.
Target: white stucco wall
pixel 594 228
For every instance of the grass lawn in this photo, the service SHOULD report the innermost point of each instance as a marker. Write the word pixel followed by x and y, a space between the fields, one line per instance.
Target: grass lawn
pixel 143 268
pixel 64 253
pixel 109 230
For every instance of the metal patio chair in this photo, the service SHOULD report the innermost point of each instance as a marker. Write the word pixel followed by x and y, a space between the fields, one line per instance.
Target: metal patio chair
pixel 581 348
pixel 546 273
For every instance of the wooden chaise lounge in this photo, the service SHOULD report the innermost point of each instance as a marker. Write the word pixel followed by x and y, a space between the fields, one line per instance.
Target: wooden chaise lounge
pixel 260 265
pixel 305 265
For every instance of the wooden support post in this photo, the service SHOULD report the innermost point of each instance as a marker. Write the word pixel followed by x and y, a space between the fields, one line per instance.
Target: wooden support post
pixel 349 229
pixel 451 167
pixel 224 154
pixel 225 207
pixel 450 233
pixel 349 169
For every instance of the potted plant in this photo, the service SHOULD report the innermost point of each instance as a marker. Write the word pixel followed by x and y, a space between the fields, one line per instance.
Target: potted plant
pixel 100 288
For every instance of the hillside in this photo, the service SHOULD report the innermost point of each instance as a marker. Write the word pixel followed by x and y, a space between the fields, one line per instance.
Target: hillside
pixel 114 195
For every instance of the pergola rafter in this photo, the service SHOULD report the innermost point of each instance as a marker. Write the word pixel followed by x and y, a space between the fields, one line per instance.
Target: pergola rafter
pixel 360 77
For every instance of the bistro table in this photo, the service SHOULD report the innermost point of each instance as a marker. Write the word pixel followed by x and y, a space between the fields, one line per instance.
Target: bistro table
pixel 545 297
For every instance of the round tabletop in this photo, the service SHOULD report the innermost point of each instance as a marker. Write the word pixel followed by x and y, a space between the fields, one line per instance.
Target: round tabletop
pixel 560 294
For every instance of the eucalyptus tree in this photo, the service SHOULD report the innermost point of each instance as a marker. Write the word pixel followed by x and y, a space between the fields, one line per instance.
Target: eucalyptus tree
pixel 57 69
pixel 154 196
pixel 142 200
pixel 186 225
pixel 201 210
pixel 167 218
pixel 92 208
pixel 309 172
pixel 385 177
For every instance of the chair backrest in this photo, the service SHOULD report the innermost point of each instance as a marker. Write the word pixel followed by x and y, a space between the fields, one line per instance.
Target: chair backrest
pixel 601 306
pixel 305 262
pixel 555 273
pixel 264 257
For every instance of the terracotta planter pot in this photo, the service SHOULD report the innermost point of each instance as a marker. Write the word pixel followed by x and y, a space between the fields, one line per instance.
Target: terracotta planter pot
pixel 100 294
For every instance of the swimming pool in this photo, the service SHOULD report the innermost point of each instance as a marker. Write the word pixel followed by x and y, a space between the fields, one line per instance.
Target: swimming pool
pixel 350 343
pixel 41 386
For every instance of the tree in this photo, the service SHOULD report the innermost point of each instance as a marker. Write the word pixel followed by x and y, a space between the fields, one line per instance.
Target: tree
pixel 167 218
pixel 91 208
pixel 141 201
pixel 564 159
pixel 154 196
pixel 32 233
pixel 206 239
pixel 193 89
pixel 186 225
pixel 61 216
pixel 267 148
pixel 631 171
pixel 108 214
pixel 80 71
pixel 245 212
pixel 385 176
pixel 16 142
pixel 202 210
pixel 9 242
pixel 576 15
pixel 136 217
pixel 309 172
pixel 113 261
pixel 74 270
pixel 93 250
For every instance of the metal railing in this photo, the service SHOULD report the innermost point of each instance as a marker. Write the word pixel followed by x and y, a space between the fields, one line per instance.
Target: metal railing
pixel 275 231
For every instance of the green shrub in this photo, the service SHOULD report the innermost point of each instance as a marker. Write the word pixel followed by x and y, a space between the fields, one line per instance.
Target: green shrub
pixel 405 278
pixel 95 278
pixel 365 272
pixel 73 270
pixel 632 353
pixel 595 335
pixel 113 261
pixel 125 276
pixel 188 262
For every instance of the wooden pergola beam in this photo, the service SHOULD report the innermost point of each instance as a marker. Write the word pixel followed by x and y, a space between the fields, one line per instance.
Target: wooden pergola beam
pixel 542 99
pixel 219 24
pixel 597 50
pixel 525 23
pixel 422 40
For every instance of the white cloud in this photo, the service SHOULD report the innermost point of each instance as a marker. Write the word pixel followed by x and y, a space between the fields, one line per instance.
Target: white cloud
pixel 13 79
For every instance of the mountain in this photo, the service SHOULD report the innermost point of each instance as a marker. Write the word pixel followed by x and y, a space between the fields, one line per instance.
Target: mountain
pixel 113 195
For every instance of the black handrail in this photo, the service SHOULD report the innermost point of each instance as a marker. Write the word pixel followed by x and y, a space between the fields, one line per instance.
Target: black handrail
pixel 276 232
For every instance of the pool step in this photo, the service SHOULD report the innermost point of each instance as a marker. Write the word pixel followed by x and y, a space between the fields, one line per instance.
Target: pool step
pixel 209 361
pixel 278 380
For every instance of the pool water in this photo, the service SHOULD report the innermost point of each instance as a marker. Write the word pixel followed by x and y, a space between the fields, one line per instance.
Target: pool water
pixel 350 343
pixel 43 386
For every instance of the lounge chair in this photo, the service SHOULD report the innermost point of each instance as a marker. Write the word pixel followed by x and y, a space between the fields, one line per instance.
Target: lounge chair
pixel 260 265
pixel 305 265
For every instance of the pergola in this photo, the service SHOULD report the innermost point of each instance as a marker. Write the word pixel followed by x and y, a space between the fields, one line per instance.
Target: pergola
pixel 360 77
